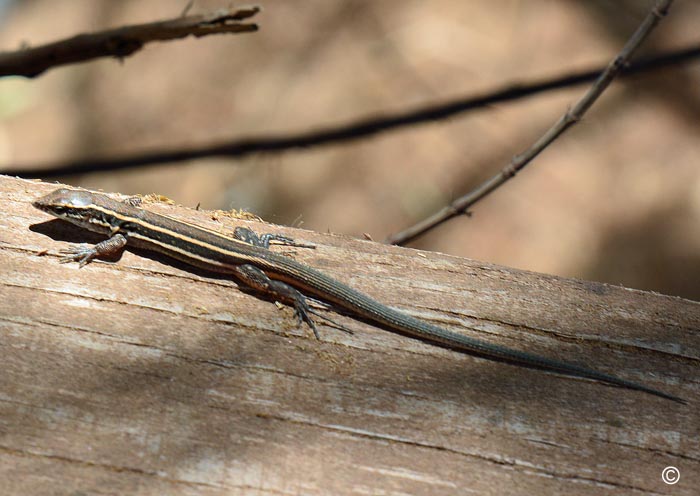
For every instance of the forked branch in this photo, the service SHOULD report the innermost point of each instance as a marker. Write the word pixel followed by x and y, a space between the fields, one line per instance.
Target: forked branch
pixel 572 116
pixel 122 42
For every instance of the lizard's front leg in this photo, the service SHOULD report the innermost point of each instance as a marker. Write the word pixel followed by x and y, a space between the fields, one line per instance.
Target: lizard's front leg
pixel 86 254
pixel 263 240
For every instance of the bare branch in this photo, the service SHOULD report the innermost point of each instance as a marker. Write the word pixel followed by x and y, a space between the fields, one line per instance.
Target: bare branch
pixel 349 131
pixel 570 117
pixel 123 41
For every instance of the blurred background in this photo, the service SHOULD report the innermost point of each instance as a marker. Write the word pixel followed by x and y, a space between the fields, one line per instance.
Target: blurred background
pixel 616 199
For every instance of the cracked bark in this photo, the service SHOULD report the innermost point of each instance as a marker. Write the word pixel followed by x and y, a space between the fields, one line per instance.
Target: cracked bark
pixel 141 376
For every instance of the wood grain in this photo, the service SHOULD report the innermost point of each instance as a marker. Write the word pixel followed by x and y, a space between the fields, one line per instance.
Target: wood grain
pixel 142 377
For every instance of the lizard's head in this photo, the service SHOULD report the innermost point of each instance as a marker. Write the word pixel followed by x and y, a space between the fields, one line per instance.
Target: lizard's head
pixel 75 206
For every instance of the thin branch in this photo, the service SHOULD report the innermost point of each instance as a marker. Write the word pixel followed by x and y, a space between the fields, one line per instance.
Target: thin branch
pixel 570 117
pixel 345 132
pixel 122 42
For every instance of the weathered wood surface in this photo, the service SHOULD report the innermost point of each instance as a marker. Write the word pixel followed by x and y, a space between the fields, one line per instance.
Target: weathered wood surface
pixel 141 377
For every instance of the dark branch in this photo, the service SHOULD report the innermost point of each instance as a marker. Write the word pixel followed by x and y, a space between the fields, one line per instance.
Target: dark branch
pixel 122 42
pixel 346 132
